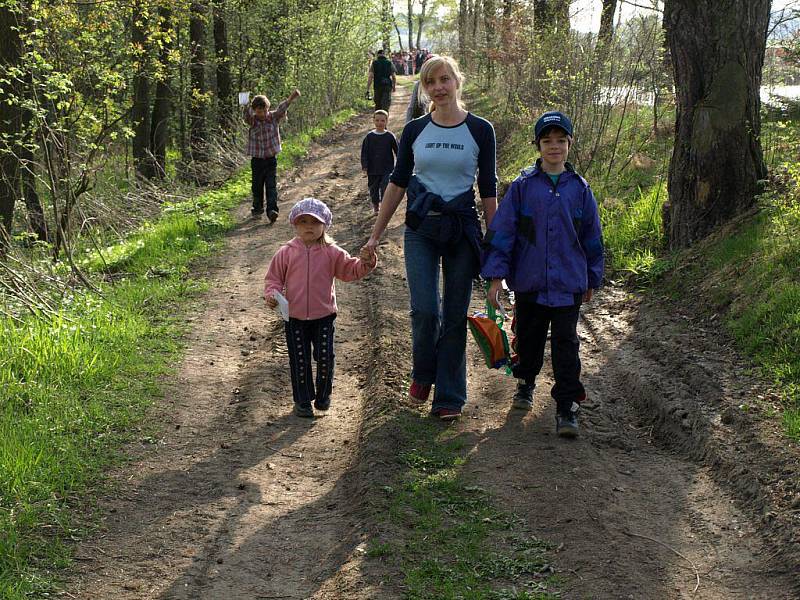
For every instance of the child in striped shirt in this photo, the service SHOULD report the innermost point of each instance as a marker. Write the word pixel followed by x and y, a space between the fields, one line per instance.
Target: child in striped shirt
pixel 263 146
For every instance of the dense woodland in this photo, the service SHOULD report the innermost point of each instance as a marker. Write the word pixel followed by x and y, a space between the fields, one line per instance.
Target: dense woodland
pixel 105 96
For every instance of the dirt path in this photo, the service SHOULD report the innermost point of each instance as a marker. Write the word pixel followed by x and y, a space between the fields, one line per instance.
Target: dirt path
pixel 242 500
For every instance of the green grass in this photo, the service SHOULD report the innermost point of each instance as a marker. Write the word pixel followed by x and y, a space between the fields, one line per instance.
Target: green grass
pixel 451 541
pixel 75 387
pixel 749 275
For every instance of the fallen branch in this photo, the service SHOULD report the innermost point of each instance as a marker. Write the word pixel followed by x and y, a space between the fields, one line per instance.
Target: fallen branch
pixel 644 537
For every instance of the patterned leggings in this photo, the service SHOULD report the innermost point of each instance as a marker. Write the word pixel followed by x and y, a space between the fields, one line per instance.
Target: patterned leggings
pixel 301 337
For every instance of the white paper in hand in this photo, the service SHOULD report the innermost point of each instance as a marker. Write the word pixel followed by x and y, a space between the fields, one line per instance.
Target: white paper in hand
pixel 283 304
pixel 244 98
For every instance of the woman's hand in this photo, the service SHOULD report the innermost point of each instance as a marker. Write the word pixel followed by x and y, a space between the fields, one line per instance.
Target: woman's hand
pixel 368 256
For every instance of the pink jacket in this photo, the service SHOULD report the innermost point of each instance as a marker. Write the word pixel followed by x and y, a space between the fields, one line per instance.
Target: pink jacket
pixel 306 277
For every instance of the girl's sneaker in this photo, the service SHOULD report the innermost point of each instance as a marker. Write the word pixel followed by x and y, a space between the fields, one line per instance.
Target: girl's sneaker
pixel 303 410
pixel 446 414
pixel 418 392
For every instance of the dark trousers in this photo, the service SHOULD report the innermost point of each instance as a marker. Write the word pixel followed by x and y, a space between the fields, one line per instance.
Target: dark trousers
pixel 265 175
pixel 377 186
pixel 306 340
pixel 532 323
pixel 383 97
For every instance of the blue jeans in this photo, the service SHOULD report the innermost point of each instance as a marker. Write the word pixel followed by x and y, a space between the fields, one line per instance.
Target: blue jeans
pixel 439 325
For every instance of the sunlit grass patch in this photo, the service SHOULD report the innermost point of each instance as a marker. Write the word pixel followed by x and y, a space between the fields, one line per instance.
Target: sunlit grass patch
pixel 455 542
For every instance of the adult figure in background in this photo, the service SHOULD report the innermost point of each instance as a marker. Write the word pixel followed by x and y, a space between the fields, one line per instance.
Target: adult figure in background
pixel 437 162
pixel 418 103
pixel 382 77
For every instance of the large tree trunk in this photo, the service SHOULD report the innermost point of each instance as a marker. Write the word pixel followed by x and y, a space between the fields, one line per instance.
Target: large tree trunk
pixel 162 103
pixel 224 82
pixel 10 52
pixel 717 49
pixel 140 111
pixel 197 66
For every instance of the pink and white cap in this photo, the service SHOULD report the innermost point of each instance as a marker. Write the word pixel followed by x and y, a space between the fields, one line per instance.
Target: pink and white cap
pixel 311 206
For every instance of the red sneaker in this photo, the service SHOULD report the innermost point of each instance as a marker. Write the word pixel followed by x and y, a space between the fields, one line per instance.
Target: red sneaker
pixel 419 392
pixel 446 414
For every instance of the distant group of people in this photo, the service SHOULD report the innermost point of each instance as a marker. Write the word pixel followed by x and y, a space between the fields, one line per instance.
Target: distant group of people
pixel 544 240
pixel 409 63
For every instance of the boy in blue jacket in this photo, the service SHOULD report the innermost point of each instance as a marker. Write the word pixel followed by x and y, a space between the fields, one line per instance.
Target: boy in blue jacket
pixel 546 242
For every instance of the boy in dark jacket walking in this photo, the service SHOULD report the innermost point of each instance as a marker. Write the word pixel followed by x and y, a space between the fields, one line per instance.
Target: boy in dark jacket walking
pixel 378 153
pixel 546 242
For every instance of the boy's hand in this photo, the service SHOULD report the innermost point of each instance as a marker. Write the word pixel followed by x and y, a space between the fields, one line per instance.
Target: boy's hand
pixel 587 295
pixel 271 302
pixel 294 95
pixel 364 172
pixel 494 292
pixel 368 256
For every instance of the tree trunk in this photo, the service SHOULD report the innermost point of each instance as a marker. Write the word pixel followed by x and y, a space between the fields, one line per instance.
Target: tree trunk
pixel 10 53
pixel 421 21
pixel 197 66
pixel 386 24
pixel 462 31
pixel 717 49
pixel 399 37
pixel 551 15
pixel 606 33
pixel 162 103
pixel 410 24
pixel 224 82
pixel 140 111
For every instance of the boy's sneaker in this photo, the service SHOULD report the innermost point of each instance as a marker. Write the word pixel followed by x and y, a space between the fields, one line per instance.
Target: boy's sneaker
pixel 419 392
pixel 446 414
pixel 523 398
pixel 567 422
pixel 322 404
pixel 303 410
pixel 272 215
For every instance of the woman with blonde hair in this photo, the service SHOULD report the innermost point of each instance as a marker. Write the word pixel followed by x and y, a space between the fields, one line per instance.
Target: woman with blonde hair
pixel 440 157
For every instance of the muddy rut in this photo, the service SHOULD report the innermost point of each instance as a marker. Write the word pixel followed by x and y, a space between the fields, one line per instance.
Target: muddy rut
pixel 672 491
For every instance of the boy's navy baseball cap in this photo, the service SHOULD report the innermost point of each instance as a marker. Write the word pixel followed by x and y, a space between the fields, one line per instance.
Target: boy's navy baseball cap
pixel 552 118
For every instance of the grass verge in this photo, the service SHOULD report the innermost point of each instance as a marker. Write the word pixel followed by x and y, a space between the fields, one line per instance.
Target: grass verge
pixel 446 536
pixel 77 386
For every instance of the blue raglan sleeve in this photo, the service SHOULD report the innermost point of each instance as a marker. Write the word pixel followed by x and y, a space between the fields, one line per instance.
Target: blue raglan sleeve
pixel 500 237
pixel 483 133
pixel 405 153
pixel 592 240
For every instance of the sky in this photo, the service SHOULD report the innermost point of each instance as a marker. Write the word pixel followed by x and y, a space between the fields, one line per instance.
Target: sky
pixel 586 13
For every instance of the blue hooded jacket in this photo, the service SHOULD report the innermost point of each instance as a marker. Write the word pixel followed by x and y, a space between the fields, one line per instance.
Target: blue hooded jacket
pixel 546 239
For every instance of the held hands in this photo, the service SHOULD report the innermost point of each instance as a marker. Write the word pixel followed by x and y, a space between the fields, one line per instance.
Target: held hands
pixel 368 256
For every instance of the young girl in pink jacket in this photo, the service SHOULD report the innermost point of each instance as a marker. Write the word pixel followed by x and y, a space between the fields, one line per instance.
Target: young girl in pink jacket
pixel 303 270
